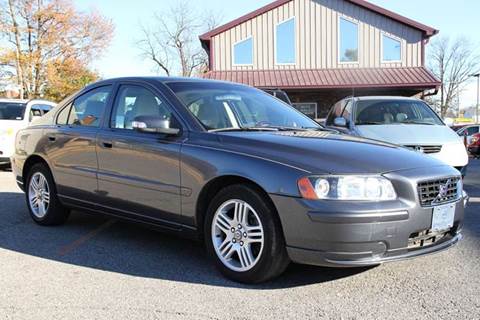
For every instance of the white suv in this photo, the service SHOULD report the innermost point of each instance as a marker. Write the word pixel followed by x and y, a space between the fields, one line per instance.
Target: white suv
pixel 15 115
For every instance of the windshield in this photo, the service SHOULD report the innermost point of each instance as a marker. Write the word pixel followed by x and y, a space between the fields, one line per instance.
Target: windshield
pixel 12 110
pixel 371 112
pixel 221 106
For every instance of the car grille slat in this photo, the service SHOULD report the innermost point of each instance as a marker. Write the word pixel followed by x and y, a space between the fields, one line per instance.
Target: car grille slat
pixel 428 191
pixel 427 149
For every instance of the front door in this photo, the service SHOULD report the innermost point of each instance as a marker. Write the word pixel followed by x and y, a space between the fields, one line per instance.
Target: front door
pixel 139 173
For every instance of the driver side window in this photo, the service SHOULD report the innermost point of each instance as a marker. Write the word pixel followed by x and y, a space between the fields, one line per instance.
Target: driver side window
pixel 133 103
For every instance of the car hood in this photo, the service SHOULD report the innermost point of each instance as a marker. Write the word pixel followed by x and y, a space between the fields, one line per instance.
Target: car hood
pixel 325 152
pixel 409 134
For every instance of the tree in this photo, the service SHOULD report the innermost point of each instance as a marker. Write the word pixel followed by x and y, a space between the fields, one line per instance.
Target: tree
pixel 41 34
pixel 171 41
pixel 452 62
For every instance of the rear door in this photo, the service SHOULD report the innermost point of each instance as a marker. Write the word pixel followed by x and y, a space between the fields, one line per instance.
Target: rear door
pixel 139 173
pixel 71 144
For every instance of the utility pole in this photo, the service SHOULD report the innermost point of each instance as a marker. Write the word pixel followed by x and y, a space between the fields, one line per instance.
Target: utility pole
pixel 478 95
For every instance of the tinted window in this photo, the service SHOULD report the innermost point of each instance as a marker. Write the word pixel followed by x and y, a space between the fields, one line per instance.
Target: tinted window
pixel 62 117
pixel 220 106
pixel 88 109
pixel 285 42
pixel 371 112
pixel 348 41
pixel 243 52
pixel 12 110
pixel 472 130
pixel 135 101
pixel 392 49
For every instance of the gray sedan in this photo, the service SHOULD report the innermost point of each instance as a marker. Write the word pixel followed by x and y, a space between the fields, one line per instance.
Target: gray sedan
pixel 261 184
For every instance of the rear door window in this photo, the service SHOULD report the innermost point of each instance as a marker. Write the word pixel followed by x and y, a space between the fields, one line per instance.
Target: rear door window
pixel 88 109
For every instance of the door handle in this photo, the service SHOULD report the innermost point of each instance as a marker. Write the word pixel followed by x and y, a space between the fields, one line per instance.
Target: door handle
pixel 108 145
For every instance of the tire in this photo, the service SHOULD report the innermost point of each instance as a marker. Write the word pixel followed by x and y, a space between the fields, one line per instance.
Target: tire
pixel 53 213
pixel 246 257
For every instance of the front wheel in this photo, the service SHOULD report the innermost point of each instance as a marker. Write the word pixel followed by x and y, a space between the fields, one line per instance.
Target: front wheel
pixel 43 204
pixel 243 235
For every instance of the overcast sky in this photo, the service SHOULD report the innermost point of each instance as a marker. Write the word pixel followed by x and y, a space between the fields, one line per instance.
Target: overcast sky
pixel 452 18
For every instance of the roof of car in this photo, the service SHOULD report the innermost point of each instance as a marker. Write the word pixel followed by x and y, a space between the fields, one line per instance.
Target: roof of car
pixel 384 98
pixel 25 100
pixel 161 79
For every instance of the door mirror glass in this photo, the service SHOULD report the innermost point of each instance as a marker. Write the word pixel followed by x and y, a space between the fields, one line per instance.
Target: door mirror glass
pixel 340 122
pixel 154 124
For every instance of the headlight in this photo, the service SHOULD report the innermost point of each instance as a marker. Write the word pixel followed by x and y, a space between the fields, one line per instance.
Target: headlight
pixel 360 188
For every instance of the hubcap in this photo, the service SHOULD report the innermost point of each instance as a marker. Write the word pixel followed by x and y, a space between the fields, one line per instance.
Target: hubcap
pixel 39 195
pixel 237 235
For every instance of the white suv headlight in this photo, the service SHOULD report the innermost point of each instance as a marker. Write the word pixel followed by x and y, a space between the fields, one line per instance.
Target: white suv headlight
pixel 359 188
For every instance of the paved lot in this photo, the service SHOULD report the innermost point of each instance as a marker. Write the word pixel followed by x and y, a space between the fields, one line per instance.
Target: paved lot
pixel 97 268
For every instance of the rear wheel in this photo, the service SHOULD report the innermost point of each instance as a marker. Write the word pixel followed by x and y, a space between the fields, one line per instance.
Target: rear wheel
pixel 243 235
pixel 43 204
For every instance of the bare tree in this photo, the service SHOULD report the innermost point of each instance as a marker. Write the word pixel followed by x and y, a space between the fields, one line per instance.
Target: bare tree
pixel 171 40
pixel 452 62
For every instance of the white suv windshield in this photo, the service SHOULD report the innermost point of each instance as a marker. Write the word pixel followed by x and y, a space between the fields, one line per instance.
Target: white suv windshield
pixel 221 106
pixel 12 110
pixel 378 112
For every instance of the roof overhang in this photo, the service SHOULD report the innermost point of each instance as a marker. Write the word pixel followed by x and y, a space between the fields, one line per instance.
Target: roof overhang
pixel 400 78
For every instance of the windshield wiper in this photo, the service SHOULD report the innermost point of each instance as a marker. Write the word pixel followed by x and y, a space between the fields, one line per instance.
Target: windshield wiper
pixel 417 122
pixel 369 123
pixel 244 129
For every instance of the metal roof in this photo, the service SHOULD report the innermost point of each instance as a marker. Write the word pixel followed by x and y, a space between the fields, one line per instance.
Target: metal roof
pixel 415 77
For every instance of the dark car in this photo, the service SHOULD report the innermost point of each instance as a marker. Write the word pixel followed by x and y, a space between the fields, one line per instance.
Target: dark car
pixel 258 181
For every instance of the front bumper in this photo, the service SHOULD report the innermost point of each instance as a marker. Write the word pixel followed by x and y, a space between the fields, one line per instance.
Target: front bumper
pixel 346 234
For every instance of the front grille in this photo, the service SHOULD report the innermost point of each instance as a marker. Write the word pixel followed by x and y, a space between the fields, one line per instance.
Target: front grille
pixel 425 238
pixel 434 192
pixel 425 149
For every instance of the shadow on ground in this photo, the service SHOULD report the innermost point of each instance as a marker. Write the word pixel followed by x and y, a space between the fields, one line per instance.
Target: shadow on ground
pixel 101 243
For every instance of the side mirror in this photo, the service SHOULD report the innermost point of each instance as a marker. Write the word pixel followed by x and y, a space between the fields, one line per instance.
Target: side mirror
pixel 153 124
pixel 340 122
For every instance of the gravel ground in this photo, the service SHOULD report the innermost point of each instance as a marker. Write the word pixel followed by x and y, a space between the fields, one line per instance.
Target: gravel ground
pixel 95 268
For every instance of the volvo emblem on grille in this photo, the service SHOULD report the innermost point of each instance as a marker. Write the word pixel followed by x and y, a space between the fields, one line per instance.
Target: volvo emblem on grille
pixel 443 191
pixel 418 149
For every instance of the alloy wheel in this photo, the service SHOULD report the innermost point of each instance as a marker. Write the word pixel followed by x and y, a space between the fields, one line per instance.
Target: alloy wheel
pixel 39 195
pixel 237 235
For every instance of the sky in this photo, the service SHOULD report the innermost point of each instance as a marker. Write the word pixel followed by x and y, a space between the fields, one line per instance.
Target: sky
pixel 452 18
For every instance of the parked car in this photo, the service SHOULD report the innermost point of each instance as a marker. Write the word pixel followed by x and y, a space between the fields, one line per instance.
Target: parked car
pixel 408 122
pixel 14 115
pixel 259 182
pixel 470 131
pixel 474 146
pixel 279 94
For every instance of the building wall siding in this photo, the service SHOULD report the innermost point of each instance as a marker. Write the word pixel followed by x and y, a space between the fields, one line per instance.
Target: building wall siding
pixel 317 37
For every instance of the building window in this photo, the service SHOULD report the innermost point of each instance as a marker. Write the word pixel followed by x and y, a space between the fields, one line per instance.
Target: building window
pixel 307 108
pixel 392 49
pixel 285 42
pixel 243 52
pixel 348 41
